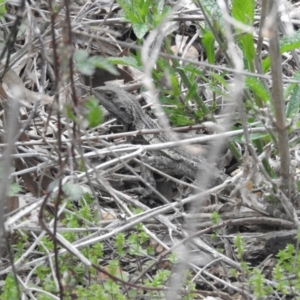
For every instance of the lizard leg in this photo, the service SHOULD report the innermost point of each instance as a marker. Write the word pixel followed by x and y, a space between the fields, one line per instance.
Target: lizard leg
pixel 148 180
pixel 161 190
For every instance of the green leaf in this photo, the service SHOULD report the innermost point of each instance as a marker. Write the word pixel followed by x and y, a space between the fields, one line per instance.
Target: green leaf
pixel 292 90
pixel 128 11
pixel 208 42
pixel 290 42
pixel 248 46
pixel 293 106
pixel 74 191
pixel 243 11
pixel 137 251
pixel 2 7
pixel 161 15
pixel 82 62
pixel 126 61
pixel 175 83
pixel 220 78
pixel 9 290
pixel 181 120
pixel 213 12
pixel 192 91
pixel 86 65
pixel 287 43
pixel 140 29
pixel 199 115
pixel 193 70
pixel 103 63
pixel 215 218
pixel 120 239
pixel 255 85
pixel 94 113
pixel 258 136
pixel 143 8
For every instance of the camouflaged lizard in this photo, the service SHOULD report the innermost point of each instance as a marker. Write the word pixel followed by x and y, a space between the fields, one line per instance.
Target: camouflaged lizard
pixel 174 161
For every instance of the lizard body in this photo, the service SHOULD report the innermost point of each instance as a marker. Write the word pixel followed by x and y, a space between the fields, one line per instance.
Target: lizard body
pixel 176 161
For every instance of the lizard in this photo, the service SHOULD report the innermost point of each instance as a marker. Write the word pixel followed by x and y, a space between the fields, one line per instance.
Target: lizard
pixel 173 161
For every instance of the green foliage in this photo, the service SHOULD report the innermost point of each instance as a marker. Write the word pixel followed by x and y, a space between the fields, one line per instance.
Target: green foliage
pixel 287 43
pixel 190 295
pixel 257 282
pixel 95 291
pixel 2 8
pixel 293 92
pixel 85 212
pixel 144 15
pixel 214 14
pixel 120 243
pixel 215 218
pixel 93 112
pixel 243 11
pixel 86 65
pixel 44 297
pixel 208 41
pixel 239 244
pixel 290 42
pixel 9 290
pixel 135 241
pixel 233 273
pixel 130 61
pixel 159 279
pixel 257 88
pixel 278 276
pixel 287 259
pixel 73 191
pixel 87 199
pixel 97 250
pixel 176 112
pixel 46 243
pixel 286 272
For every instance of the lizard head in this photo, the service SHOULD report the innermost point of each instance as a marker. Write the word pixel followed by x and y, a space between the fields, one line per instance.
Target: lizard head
pixel 116 101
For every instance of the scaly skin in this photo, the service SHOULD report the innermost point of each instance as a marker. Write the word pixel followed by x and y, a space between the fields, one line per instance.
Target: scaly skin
pixel 175 161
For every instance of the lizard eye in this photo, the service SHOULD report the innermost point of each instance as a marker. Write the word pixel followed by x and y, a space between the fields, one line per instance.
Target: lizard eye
pixel 109 94
pixel 122 108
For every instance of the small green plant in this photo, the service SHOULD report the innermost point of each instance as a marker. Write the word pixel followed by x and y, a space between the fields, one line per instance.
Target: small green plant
pixel 10 290
pixel 215 218
pixel 144 15
pixel 239 245
pixel 288 265
pixel 286 272
pixel 120 243
pixel 257 282
pixel 86 64
pixel 136 241
pixel 93 112
pixel 2 8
